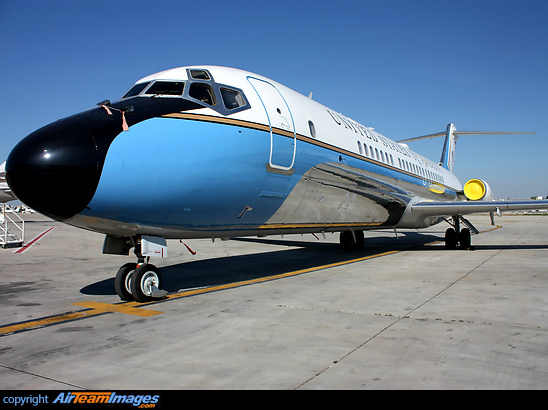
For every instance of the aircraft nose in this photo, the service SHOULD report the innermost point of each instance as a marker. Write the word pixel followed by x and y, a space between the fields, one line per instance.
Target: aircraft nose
pixel 56 169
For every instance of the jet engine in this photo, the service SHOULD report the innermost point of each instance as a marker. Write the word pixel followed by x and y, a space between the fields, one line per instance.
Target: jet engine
pixel 478 190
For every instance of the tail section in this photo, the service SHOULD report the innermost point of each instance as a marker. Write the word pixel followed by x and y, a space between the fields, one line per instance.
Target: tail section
pixel 447 159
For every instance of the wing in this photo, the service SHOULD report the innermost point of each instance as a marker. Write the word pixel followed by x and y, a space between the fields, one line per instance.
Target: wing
pixel 471 207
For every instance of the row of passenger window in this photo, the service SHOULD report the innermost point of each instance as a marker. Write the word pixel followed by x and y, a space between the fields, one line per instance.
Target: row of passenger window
pixel 385 157
pixel 375 153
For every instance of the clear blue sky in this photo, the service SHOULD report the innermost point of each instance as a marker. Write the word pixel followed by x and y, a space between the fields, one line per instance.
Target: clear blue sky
pixel 405 67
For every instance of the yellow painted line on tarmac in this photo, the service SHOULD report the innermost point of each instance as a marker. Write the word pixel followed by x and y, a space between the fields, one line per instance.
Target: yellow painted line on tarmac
pixel 209 289
pixel 132 308
pixel 38 323
pixel 95 309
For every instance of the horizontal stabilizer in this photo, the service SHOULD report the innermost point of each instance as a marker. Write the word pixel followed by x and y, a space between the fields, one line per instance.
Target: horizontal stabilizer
pixel 456 132
pixel 451 136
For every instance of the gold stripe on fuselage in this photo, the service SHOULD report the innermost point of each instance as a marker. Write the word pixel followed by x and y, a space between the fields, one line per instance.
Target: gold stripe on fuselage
pixel 300 137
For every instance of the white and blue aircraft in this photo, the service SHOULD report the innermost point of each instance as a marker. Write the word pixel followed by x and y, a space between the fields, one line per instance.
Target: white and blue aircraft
pixel 215 152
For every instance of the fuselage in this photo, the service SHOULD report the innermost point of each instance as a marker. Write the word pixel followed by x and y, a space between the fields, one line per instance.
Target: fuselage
pixel 219 152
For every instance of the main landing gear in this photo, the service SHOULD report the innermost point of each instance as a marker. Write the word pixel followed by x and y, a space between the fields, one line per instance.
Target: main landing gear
pixel 351 240
pixel 455 236
pixel 139 281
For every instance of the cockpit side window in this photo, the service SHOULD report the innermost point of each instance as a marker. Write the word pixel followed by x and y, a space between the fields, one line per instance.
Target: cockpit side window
pixel 166 88
pixel 202 92
pixel 135 90
pixel 232 98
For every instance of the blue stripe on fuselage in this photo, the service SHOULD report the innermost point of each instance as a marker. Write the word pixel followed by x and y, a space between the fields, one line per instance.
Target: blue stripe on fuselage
pixel 173 172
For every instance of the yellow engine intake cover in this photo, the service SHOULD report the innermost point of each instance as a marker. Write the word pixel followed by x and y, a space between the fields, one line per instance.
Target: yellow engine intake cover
pixel 475 189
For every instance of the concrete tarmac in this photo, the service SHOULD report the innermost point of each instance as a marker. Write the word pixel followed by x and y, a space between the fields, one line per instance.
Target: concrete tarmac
pixel 282 313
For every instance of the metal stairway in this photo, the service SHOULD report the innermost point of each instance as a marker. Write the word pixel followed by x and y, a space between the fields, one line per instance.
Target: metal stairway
pixel 12 228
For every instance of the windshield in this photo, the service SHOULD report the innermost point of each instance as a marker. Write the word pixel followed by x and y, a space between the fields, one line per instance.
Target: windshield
pixel 135 90
pixel 166 88
pixel 200 88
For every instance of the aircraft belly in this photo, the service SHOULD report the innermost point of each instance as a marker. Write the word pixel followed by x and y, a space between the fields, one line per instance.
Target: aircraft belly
pixel 332 195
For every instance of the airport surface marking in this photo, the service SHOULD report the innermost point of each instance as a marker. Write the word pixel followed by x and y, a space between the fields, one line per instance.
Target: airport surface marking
pixel 134 308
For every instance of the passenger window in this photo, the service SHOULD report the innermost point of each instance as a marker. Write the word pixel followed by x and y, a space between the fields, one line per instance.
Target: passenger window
pixel 135 90
pixel 166 88
pixel 232 98
pixel 203 93
pixel 312 129
pixel 360 147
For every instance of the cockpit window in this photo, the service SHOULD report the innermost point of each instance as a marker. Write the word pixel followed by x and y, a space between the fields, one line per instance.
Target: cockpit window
pixel 166 88
pixel 202 92
pixel 199 88
pixel 200 75
pixel 135 90
pixel 232 98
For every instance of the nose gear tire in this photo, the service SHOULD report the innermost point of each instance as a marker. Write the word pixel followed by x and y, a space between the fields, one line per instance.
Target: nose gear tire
pixel 122 281
pixel 143 281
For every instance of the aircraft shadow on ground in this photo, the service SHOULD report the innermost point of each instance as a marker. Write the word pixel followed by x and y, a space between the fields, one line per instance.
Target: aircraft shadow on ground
pixel 297 256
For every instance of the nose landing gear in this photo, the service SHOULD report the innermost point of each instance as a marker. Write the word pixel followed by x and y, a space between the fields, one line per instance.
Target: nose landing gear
pixel 139 281
pixel 146 283
pixel 122 281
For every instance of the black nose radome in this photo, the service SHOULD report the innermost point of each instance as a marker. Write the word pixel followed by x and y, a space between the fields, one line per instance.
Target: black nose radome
pixel 55 170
